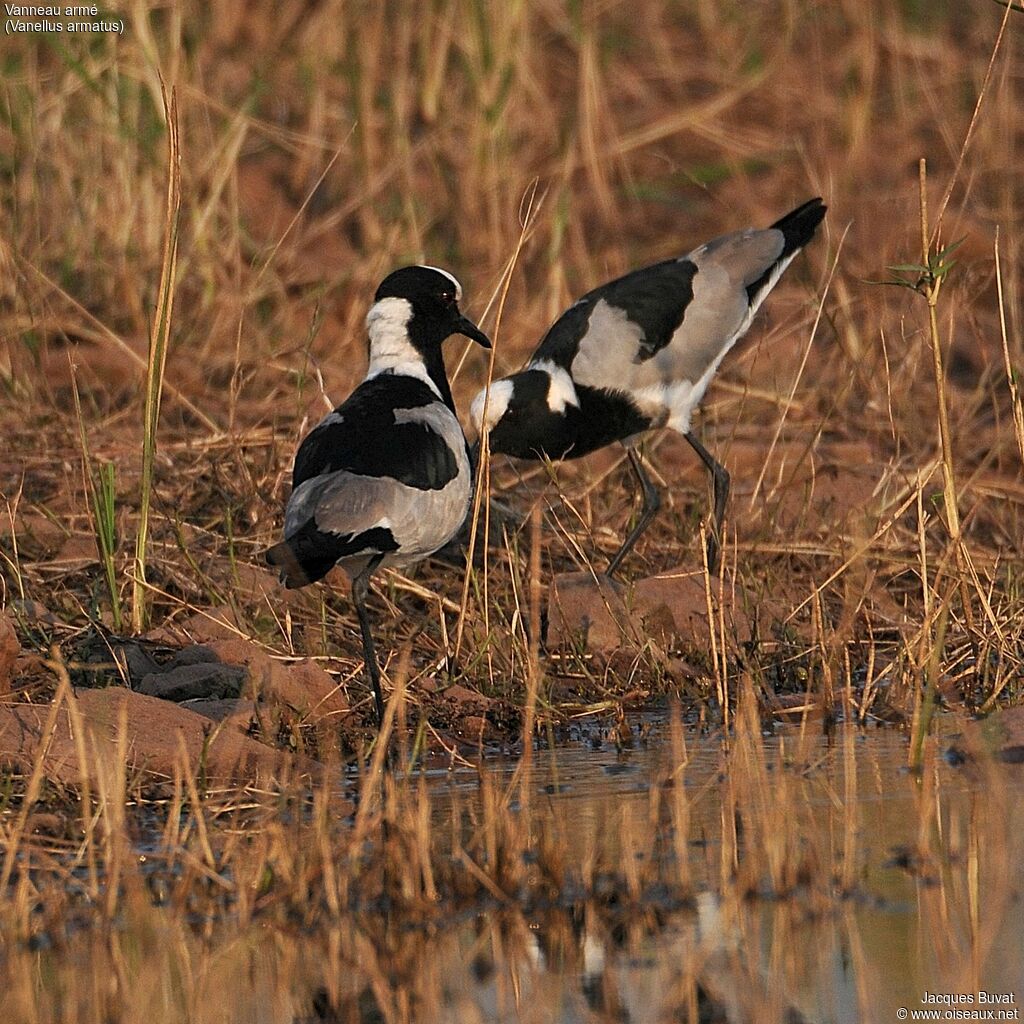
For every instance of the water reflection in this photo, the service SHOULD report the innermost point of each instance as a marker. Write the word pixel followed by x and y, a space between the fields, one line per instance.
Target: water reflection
pixel 925 882
pixel 782 879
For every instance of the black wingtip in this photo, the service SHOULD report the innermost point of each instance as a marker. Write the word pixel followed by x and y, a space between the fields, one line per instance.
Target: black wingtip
pixel 799 225
pixel 282 558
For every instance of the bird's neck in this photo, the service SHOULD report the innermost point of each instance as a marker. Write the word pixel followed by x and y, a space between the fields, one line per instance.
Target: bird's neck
pixel 392 349
pixel 433 363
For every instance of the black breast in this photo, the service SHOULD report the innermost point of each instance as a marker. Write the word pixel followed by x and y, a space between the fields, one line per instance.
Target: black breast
pixel 603 417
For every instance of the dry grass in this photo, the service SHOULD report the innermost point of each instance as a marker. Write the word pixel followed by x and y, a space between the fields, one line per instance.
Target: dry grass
pixel 363 137
pixel 322 145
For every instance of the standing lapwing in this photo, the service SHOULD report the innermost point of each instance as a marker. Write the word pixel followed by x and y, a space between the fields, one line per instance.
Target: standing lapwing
pixel 638 353
pixel 385 479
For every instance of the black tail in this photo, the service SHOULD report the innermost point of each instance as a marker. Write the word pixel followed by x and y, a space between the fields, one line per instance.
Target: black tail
pixel 799 225
pixel 293 573
pixel 309 554
pixel 797 229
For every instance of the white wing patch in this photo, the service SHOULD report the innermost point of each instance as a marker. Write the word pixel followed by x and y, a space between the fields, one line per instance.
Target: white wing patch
pixel 561 390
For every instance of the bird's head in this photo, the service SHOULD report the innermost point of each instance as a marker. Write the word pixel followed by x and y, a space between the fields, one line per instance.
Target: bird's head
pixel 414 311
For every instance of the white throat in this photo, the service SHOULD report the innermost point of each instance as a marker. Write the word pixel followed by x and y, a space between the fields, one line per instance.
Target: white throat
pixel 391 351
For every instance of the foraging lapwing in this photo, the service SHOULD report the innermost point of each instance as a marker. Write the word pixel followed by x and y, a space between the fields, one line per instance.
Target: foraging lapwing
pixel 638 353
pixel 385 479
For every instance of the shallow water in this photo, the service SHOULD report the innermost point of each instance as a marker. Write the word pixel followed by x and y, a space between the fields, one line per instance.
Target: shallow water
pixel 785 878
pixel 926 880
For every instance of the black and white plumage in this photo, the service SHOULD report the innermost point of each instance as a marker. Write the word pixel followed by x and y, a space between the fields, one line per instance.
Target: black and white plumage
pixel 384 479
pixel 638 353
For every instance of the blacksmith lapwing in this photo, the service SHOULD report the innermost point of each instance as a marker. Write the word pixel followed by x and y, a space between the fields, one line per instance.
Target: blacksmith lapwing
pixel 385 479
pixel 638 353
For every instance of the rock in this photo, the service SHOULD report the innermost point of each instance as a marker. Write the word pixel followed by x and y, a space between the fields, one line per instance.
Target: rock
pixel 46 824
pixel 137 660
pixel 38 535
pixel 308 686
pixel 187 682
pixel 33 613
pixel 200 628
pixel 466 708
pixel 588 611
pixel 475 728
pixel 234 680
pixel 215 624
pixel 77 552
pixel 305 686
pixel 999 736
pixel 194 654
pixel 237 713
pixel 10 651
pixel 673 606
pixel 157 731
pixel 463 695
pixel 256 584
pixel 796 707
pixel 239 651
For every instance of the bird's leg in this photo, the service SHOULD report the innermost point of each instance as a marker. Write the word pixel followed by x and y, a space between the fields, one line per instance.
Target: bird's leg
pixel 652 502
pixel 720 477
pixel 360 586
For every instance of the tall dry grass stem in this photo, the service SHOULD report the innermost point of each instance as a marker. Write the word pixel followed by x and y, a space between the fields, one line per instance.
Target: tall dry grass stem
pixel 934 271
pixel 533 671
pixel 159 340
pixel 481 494
pixel 13 560
pixel 1012 375
pixel 924 712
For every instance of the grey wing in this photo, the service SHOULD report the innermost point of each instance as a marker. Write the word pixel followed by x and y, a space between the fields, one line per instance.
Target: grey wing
pixel 715 308
pixel 721 309
pixel 743 255
pixel 346 504
pixel 341 502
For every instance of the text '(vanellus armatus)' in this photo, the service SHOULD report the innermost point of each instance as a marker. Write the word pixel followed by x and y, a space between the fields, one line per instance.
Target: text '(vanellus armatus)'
pixel 638 353
pixel 385 479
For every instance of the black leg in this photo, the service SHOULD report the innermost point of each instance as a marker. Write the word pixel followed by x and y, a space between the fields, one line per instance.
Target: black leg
pixel 360 586
pixel 652 502
pixel 720 478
